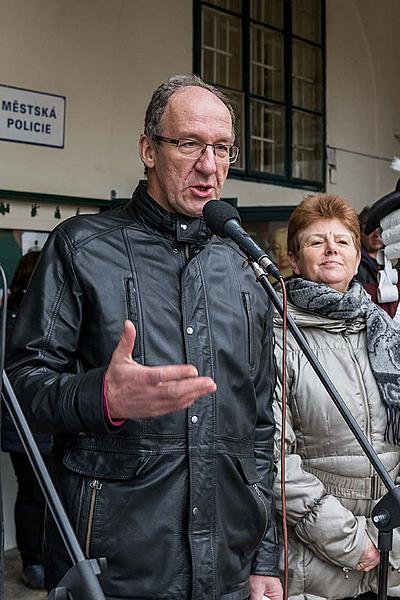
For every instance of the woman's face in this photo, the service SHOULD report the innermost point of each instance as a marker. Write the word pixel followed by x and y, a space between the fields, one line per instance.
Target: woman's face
pixel 327 254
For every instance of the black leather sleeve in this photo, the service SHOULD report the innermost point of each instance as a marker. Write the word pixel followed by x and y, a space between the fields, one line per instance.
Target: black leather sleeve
pixel 42 356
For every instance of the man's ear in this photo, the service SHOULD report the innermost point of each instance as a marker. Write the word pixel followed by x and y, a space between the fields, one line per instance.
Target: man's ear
pixel 294 263
pixel 147 151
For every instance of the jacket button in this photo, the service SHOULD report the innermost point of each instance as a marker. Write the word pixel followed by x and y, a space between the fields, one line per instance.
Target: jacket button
pixel 183 226
pixel 195 510
pixel 189 330
pixel 194 419
pixel 82 434
pixel 175 250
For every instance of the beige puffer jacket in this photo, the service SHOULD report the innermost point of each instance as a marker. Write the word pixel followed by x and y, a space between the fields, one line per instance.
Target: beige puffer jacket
pixel 330 485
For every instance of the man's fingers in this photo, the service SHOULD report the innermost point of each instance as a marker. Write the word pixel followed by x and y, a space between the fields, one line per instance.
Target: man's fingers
pixel 156 375
pixel 195 386
pixel 178 395
pixel 126 343
pixel 136 391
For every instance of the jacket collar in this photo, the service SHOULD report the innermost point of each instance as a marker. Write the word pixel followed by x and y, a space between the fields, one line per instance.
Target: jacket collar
pixel 175 226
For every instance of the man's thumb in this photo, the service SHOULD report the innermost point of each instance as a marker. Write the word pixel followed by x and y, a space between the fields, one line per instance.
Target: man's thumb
pixel 126 343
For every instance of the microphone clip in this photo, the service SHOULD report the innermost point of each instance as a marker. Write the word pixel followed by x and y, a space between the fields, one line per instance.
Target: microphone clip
pixel 258 270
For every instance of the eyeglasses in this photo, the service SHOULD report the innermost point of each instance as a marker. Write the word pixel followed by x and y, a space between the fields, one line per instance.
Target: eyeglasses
pixel 224 153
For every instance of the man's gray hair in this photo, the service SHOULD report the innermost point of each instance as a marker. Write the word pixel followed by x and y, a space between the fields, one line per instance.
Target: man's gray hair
pixel 161 96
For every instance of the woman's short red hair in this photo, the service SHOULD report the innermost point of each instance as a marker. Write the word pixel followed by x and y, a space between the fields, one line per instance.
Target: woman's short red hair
pixel 321 206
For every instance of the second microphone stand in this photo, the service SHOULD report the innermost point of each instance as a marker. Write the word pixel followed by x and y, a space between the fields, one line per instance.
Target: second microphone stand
pixel 386 513
pixel 80 582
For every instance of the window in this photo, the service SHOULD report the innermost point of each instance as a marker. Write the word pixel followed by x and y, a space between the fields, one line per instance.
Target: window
pixel 268 57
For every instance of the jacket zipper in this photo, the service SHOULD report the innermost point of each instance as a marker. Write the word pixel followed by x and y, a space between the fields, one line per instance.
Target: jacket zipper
pixel 95 486
pixel 255 487
pixel 249 320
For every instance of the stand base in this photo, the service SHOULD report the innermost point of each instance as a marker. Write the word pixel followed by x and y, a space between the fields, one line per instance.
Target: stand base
pixel 75 583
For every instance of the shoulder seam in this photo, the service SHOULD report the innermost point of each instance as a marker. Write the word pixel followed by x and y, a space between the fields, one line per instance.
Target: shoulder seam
pixel 76 246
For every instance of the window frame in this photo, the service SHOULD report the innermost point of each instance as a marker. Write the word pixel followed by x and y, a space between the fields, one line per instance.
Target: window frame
pixel 247 174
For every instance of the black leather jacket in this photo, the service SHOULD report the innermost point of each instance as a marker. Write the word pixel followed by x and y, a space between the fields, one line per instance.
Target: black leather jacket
pixel 177 504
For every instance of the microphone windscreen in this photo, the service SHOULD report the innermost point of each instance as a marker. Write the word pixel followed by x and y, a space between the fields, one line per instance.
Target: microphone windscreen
pixel 216 213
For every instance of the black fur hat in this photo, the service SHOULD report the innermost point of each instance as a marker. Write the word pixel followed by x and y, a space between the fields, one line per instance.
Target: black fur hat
pixel 381 208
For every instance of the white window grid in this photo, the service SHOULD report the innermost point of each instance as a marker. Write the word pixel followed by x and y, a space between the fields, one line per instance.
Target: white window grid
pixel 233 5
pixel 306 162
pixel 222 76
pixel 267 147
pixel 265 118
pixel 304 21
pixel 267 68
pixel 306 67
pixel 267 11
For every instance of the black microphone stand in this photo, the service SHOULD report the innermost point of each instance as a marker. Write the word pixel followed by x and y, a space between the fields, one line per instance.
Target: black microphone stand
pixel 80 582
pixel 386 513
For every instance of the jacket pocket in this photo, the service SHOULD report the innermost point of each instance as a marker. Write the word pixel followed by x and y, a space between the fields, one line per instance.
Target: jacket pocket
pixel 133 310
pixel 249 320
pixel 252 477
pixel 242 515
pixel 126 501
pixel 105 465
pixel 101 474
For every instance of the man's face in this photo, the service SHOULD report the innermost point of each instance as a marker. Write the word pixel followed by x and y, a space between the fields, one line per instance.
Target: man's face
pixel 372 242
pixel 179 183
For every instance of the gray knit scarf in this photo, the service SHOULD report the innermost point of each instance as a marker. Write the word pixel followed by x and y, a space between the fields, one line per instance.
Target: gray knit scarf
pixel 383 336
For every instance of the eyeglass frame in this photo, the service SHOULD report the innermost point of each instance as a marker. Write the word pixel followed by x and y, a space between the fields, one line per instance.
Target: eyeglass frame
pixel 175 142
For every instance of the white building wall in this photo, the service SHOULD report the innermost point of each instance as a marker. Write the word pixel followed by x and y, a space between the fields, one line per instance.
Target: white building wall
pixel 107 56
pixel 363 91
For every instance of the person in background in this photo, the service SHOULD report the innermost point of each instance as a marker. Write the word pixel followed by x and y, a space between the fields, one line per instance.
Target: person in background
pixel 384 214
pixel 370 245
pixel 279 250
pixel 30 502
pixel 331 487
pixel 144 346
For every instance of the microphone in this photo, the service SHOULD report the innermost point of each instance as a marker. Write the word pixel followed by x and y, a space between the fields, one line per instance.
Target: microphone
pixel 224 220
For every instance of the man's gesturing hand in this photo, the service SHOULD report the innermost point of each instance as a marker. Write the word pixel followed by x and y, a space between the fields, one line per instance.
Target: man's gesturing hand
pixel 135 391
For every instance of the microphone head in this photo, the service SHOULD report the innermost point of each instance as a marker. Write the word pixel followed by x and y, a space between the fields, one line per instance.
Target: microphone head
pixel 216 213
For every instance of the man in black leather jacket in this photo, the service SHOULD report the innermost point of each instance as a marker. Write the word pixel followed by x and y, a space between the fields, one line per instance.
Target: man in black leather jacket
pixel 164 472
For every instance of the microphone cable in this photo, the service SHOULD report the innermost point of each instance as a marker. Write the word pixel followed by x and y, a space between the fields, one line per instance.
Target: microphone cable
pixel 285 543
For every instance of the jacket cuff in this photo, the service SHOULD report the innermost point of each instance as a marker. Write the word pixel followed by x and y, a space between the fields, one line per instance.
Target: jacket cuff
pixel 268 565
pixel 90 402
pixel 266 558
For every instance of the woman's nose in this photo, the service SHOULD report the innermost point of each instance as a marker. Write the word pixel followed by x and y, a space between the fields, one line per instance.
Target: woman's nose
pixel 331 246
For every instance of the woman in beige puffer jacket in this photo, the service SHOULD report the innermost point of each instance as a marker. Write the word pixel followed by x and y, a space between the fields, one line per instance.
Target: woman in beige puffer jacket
pixel 331 487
